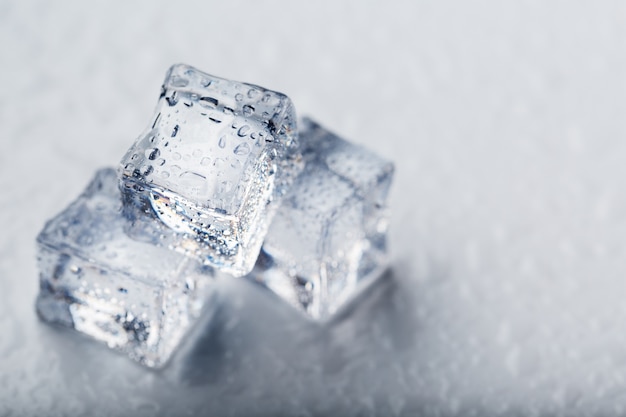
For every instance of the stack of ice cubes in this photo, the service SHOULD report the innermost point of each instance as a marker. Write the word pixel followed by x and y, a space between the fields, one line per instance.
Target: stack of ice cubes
pixel 221 184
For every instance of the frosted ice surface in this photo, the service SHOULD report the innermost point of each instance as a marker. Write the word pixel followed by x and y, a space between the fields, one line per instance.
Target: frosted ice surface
pixel 133 296
pixel 328 239
pixel 211 166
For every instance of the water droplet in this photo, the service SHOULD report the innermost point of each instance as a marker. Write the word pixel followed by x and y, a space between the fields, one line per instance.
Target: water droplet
pixel 134 157
pixel 172 100
pixel 175 169
pixel 165 174
pixel 222 142
pixel 218 163
pixel 153 153
pixel 147 170
pixel 243 130
pixel 175 130
pixel 160 162
pixel 208 102
pixel 252 93
pixel 248 110
pixel 197 153
pixel 123 290
pixel 238 96
pixel 205 161
pixel 228 110
pixel 242 149
pixel 176 156
pixel 266 98
pixel 74 269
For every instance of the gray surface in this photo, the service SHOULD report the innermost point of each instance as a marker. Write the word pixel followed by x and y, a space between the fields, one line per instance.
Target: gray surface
pixel 506 123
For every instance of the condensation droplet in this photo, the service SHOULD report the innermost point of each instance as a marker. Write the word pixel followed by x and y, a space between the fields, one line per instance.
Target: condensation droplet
pixel 242 149
pixel 175 130
pixel 252 93
pixel 197 153
pixel 165 174
pixel 248 110
pixel 172 100
pixel 243 130
pixel 160 162
pixel 153 153
pixel 175 169
pixel 208 102
pixel 222 142
pixel 176 156
pixel 147 170
pixel 238 96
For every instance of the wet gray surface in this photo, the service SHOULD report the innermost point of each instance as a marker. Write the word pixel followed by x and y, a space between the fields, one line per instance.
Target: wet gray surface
pixel 506 126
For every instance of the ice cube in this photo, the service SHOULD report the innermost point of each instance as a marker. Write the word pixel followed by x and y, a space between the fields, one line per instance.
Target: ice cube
pixel 211 166
pixel 133 296
pixel 328 239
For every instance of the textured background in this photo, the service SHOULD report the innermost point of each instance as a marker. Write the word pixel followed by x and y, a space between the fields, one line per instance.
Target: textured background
pixel 506 122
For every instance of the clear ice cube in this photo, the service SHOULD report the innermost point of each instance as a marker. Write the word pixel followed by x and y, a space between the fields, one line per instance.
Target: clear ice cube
pixel 135 297
pixel 211 167
pixel 328 239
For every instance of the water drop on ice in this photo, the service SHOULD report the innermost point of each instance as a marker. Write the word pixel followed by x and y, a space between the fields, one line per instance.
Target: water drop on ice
pixel 242 149
pixel 248 110
pixel 153 153
pixel 243 130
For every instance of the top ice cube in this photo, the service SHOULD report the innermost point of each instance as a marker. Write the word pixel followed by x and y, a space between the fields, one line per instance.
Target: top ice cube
pixel 211 166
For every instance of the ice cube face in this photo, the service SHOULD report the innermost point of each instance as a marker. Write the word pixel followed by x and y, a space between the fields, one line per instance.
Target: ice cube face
pixel 211 167
pixel 328 239
pixel 135 297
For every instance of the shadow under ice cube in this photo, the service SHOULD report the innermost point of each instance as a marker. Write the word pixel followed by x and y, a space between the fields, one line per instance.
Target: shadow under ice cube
pixel 211 167
pixel 328 239
pixel 135 297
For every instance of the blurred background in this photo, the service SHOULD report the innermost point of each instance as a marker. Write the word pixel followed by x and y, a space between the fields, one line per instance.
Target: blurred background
pixel 506 124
